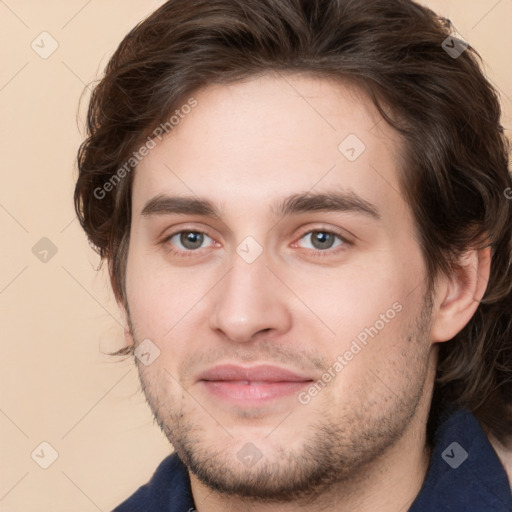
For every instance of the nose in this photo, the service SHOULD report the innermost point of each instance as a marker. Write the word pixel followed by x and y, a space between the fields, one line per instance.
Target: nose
pixel 250 301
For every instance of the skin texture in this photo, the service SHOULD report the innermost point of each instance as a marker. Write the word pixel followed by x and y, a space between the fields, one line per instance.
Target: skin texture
pixel 359 443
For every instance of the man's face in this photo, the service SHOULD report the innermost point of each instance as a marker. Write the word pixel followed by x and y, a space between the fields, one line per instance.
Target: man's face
pixel 329 292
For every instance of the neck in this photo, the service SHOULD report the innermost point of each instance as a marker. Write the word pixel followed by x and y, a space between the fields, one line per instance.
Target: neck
pixel 504 453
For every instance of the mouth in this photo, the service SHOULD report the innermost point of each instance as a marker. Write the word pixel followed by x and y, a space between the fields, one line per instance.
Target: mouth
pixel 250 386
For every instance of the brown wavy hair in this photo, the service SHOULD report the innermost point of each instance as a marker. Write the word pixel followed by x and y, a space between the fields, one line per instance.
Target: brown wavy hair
pixel 455 174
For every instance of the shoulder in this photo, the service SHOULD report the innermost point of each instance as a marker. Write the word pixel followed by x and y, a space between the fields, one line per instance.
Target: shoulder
pixel 167 490
pixel 465 472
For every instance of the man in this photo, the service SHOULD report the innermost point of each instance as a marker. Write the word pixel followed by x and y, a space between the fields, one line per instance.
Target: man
pixel 304 211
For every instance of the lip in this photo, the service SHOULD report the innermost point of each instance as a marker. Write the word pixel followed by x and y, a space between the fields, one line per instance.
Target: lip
pixel 261 373
pixel 251 386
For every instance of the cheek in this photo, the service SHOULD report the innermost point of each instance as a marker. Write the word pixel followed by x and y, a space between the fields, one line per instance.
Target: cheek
pixel 354 297
pixel 160 297
pixel 371 313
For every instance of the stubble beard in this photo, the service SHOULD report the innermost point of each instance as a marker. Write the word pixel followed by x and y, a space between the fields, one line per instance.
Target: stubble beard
pixel 338 447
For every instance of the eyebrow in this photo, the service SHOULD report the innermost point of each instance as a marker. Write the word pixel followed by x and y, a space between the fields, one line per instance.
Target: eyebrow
pixel 292 205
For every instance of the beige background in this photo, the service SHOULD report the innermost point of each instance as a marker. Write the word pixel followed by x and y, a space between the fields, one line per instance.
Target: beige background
pixel 58 316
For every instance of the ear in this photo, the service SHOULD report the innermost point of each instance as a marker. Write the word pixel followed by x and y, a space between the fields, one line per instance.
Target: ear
pixel 458 295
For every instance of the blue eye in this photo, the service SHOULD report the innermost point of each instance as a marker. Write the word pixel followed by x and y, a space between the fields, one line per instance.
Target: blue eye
pixel 189 240
pixel 319 241
pixel 323 240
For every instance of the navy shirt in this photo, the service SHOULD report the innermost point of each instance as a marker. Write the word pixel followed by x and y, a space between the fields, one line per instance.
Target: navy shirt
pixel 464 475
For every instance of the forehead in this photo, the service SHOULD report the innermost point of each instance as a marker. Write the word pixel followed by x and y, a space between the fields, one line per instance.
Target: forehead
pixel 268 137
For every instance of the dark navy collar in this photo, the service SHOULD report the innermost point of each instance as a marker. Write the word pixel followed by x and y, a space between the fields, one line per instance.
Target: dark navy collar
pixel 167 491
pixel 464 475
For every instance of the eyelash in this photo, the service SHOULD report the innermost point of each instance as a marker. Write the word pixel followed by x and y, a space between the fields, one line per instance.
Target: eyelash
pixel 313 252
